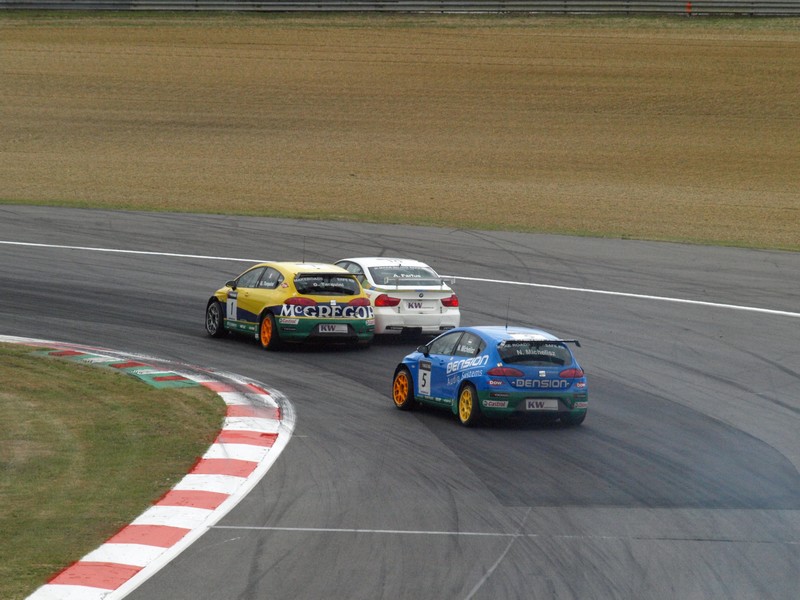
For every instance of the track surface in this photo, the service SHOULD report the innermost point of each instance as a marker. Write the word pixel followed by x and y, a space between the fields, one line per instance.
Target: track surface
pixel 682 483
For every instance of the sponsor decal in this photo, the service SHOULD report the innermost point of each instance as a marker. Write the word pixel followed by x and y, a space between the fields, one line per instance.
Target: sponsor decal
pixel 327 311
pixel 286 321
pixel 495 403
pixel 580 405
pixel 495 382
pixel 414 305
pixel 542 384
pixel 467 363
pixel 546 404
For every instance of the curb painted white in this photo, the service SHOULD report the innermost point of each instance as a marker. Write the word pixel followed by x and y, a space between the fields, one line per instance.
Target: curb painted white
pixel 256 429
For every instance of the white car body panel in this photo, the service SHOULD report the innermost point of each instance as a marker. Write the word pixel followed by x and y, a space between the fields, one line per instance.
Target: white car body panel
pixel 420 307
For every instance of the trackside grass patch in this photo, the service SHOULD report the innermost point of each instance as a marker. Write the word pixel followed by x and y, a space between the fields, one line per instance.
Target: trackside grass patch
pixel 660 128
pixel 83 451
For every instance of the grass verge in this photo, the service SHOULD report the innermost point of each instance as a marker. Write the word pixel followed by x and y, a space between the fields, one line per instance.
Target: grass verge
pixel 658 128
pixel 83 451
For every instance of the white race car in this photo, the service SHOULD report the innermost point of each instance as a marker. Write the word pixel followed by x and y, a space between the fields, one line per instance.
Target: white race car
pixel 408 296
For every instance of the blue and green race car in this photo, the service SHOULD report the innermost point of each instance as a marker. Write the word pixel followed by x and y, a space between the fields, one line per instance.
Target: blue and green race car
pixel 494 371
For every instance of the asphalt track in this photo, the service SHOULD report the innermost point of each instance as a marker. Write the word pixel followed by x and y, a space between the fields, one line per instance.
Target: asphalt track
pixel 682 483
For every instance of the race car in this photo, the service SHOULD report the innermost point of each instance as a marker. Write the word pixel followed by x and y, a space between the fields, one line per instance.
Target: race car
pixel 407 295
pixel 292 301
pixel 494 371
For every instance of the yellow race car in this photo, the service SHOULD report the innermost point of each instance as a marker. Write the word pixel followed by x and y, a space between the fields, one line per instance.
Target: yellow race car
pixel 292 301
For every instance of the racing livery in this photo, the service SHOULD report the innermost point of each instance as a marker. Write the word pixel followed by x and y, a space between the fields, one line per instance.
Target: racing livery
pixel 408 296
pixel 494 371
pixel 292 301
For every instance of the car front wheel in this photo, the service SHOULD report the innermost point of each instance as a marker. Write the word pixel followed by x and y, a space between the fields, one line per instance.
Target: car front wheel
pixel 402 390
pixel 469 414
pixel 214 319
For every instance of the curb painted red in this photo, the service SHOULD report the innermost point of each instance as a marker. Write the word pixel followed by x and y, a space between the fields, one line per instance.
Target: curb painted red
pixel 257 426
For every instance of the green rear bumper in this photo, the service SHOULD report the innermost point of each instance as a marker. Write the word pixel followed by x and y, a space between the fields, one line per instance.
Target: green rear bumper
pixel 506 404
pixel 295 329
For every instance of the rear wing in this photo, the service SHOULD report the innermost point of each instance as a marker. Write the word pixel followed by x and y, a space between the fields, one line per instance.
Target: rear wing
pixel 394 282
pixel 538 340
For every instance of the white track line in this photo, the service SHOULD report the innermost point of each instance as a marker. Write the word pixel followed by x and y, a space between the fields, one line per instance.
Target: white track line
pixel 755 309
pixel 769 311
pixel 501 534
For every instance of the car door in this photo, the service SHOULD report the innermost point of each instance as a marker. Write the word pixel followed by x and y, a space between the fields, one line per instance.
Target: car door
pixel 435 367
pixel 264 292
pixel 242 303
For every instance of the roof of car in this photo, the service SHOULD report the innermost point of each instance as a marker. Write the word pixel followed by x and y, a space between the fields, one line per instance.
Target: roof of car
pixel 500 333
pixel 383 261
pixel 304 267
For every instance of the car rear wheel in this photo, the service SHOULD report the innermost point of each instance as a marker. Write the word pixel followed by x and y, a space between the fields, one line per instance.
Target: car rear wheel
pixel 268 332
pixel 571 420
pixel 469 414
pixel 214 319
pixel 403 390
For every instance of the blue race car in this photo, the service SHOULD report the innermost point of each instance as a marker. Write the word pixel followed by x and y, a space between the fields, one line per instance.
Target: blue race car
pixel 494 371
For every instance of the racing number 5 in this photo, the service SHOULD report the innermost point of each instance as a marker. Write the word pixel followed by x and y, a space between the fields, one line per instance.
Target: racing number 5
pixel 424 378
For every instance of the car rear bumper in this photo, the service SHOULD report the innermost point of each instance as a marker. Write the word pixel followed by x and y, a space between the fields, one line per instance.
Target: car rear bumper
pixel 390 322
pixel 297 329
pixel 507 404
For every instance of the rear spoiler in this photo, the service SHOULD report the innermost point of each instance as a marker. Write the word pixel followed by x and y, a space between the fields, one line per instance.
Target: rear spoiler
pixel 443 280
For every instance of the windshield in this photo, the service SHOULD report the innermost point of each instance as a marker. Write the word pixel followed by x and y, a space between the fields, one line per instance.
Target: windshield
pixel 404 276
pixel 534 353
pixel 327 285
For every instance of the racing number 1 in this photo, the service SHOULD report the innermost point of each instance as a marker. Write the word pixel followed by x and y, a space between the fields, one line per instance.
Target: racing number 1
pixel 231 308
pixel 424 378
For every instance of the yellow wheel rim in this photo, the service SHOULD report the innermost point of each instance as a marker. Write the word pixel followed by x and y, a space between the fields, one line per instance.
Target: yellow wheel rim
pixel 400 389
pixel 266 331
pixel 465 405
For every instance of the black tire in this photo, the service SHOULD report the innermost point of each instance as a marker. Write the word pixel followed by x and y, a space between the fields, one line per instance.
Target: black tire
pixel 572 420
pixel 268 335
pixel 215 319
pixel 469 413
pixel 403 389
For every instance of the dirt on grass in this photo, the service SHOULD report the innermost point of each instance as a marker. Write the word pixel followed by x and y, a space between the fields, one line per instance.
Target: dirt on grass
pixel 661 128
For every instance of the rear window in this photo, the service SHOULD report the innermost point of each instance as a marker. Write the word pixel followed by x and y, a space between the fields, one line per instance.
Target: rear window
pixel 327 285
pixel 534 353
pixel 404 276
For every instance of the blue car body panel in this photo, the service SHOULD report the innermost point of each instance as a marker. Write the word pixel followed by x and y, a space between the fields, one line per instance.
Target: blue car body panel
pixel 514 370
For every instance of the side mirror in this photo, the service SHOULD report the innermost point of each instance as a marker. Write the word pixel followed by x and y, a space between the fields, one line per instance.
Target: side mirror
pixel 231 284
pixel 423 349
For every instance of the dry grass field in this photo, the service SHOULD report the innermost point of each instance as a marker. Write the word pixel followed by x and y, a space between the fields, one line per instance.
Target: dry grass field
pixel 659 128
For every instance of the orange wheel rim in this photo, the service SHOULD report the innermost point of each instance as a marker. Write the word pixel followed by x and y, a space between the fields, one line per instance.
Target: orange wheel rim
pixel 266 331
pixel 400 389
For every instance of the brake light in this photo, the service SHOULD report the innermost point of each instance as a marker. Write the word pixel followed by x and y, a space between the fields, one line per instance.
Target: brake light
pixel 571 373
pixel 386 300
pixel 451 302
pixel 504 372
pixel 300 301
pixel 358 302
